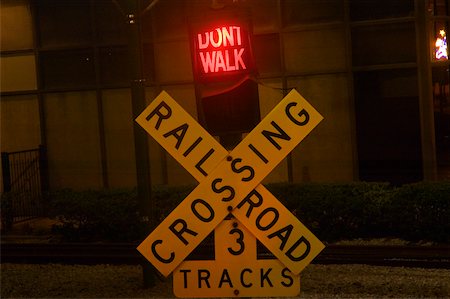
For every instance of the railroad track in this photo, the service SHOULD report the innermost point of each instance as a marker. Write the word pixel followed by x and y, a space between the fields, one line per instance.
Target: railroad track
pixel 81 253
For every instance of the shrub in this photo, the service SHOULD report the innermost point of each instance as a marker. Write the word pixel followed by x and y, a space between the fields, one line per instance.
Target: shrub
pixel 421 211
pixel 334 211
pixel 109 215
pixel 415 212
pixel 96 215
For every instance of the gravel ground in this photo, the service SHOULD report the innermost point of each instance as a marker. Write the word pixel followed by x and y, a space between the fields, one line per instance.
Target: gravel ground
pixel 317 281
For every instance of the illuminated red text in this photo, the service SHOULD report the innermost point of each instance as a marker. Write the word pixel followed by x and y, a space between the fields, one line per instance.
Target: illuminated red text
pixel 221 50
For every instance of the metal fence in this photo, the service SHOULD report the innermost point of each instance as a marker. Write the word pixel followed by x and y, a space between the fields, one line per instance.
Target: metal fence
pixel 24 184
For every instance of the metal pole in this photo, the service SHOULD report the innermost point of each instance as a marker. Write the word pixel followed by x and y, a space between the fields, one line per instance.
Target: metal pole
pixel 140 137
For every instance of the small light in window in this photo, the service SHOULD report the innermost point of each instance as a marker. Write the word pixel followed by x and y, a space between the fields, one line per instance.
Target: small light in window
pixel 441 46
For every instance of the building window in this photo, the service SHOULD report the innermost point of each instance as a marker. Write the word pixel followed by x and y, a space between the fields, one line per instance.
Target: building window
pixel 263 15
pixel 14 78
pixel 439 12
pixel 441 105
pixel 311 12
pixel 114 66
pixel 110 24
pixel 322 50
pixel 68 69
pixel 380 9
pixel 267 54
pixel 82 44
pixel 438 8
pixel 16 25
pixel 384 44
pixel 439 16
pixel 388 126
pixel 64 23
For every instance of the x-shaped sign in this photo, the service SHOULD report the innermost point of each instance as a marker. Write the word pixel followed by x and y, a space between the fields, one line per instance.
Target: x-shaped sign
pixel 230 183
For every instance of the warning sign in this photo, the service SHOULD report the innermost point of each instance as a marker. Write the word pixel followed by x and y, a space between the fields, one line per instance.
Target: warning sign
pixel 229 183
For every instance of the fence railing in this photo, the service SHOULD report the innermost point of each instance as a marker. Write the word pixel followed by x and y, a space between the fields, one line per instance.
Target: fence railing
pixel 24 184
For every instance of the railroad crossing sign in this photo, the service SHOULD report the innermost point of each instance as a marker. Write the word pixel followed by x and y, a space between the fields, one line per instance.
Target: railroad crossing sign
pixel 229 183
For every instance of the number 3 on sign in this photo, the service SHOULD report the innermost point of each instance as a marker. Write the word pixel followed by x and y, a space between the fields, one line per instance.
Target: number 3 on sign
pixel 236 271
pixel 233 241
pixel 239 241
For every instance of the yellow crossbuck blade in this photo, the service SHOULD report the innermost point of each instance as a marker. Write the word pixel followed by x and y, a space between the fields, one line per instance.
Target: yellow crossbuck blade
pixel 230 182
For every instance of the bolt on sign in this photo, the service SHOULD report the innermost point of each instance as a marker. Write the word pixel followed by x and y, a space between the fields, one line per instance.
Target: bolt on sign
pixel 229 183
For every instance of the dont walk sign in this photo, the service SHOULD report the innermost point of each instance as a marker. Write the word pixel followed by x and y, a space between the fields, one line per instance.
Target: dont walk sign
pixel 229 183
pixel 221 46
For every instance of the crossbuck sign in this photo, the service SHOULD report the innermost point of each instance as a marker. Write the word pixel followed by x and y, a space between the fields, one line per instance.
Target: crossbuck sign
pixel 229 184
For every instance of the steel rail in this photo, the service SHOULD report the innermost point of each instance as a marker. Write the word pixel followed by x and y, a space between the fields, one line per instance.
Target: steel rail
pixel 114 253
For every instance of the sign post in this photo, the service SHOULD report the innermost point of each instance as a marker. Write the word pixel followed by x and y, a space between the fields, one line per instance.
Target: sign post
pixel 230 183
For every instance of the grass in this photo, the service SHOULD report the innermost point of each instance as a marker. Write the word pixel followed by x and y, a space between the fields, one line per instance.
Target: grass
pixel 317 281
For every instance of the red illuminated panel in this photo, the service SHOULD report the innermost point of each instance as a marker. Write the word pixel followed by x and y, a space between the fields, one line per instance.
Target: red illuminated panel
pixel 221 50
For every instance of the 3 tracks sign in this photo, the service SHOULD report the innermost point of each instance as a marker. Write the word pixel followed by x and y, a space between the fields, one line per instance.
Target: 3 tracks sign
pixel 229 183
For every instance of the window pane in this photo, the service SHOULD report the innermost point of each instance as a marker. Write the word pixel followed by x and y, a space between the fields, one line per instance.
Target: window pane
pixel 71 126
pixel 384 44
pixel 441 104
pixel 310 51
pixel 73 68
pixel 64 23
pixel 264 15
pixel 114 66
pixel 439 7
pixel 388 126
pixel 379 9
pixel 16 25
pixel 326 155
pixel 111 25
pixel 148 62
pixel 18 73
pixel 297 12
pixel 266 51
pixel 147 27
pixel 119 140
pixel 169 20
pixel 20 129
pixel 173 61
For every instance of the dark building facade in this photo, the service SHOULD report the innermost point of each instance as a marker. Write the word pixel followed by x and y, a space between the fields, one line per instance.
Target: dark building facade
pixel 378 71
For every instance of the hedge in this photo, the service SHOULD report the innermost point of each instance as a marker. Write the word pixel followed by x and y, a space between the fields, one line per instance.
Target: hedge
pixel 109 215
pixel 416 212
